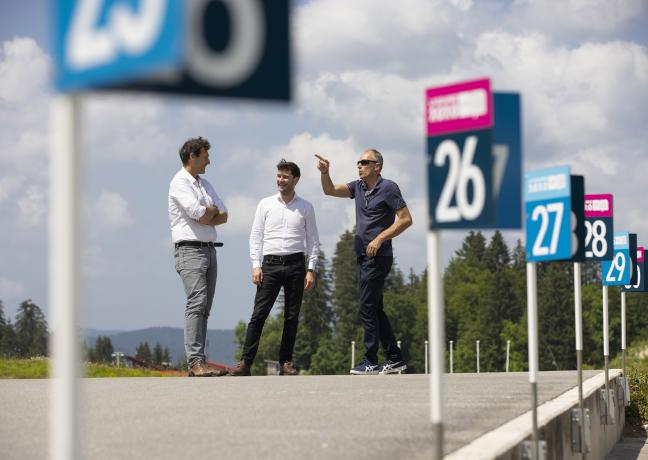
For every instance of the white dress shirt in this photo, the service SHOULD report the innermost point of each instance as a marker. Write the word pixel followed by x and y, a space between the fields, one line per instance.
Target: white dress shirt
pixel 188 201
pixel 284 228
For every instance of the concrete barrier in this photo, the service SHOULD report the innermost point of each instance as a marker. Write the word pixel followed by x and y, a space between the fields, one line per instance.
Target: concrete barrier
pixel 555 424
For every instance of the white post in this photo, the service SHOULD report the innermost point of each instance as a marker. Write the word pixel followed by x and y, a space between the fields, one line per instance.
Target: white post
pixel 606 348
pixel 64 254
pixel 436 324
pixel 451 360
pixel 508 352
pixel 477 345
pixel 532 314
pixel 352 354
pixel 626 387
pixel 578 318
pixel 426 356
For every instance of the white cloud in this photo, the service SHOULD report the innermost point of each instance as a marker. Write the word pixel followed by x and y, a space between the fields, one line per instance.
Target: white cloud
pixel 575 15
pixel 241 209
pixel 9 185
pixel 24 73
pixel 110 210
pixel 10 289
pixel 24 70
pixel 32 206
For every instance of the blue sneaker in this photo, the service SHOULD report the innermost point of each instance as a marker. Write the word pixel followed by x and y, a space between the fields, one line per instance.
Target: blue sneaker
pixel 364 368
pixel 392 367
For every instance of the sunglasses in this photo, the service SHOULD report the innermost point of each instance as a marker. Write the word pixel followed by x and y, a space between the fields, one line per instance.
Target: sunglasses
pixel 365 162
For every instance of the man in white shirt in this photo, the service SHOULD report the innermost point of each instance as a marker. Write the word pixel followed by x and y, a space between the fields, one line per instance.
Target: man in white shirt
pixel 284 235
pixel 194 211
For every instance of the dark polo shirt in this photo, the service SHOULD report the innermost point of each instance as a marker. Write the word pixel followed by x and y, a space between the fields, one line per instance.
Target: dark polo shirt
pixel 375 211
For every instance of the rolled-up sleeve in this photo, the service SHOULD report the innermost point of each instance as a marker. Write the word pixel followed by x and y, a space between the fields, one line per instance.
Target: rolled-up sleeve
pixel 312 238
pixel 183 193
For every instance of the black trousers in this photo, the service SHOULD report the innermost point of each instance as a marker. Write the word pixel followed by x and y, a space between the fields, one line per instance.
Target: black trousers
pixel 372 272
pixel 290 276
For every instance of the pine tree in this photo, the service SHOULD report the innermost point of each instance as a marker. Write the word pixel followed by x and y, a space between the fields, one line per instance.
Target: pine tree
pixel 345 292
pixel 103 350
pixel 316 316
pixel 9 346
pixel 3 323
pixel 556 316
pixel 158 354
pixel 31 330
pixel 143 352
pixel 166 356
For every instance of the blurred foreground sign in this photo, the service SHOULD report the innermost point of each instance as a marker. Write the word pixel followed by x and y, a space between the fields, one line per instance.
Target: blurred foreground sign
pixel 235 48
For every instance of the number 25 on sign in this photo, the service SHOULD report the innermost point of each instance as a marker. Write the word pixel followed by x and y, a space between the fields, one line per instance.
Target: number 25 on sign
pixel 553 203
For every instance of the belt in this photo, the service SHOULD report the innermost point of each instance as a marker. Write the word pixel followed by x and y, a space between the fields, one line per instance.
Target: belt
pixel 282 260
pixel 198 244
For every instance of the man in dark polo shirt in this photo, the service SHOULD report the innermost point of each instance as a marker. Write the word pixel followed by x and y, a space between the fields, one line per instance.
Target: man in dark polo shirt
pixel 381 214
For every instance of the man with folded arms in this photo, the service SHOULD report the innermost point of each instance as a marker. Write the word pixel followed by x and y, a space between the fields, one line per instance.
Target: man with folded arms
pixel 381 215
pixel 194 211
pixel 283 237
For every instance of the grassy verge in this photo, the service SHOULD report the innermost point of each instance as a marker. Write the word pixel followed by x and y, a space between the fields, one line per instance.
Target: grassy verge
pixel 38 368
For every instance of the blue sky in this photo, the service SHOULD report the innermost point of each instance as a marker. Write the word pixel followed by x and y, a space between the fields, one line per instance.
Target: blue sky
pixel 360 74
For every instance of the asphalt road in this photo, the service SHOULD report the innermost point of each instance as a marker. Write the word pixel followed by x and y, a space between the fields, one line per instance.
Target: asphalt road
pixel 305 417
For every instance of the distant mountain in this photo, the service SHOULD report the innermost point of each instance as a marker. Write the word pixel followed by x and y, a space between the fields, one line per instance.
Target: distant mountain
pixel 221 347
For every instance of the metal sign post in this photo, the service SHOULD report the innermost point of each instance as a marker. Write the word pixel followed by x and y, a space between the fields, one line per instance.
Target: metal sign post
pixel 623 336
pixel 99 46
pixel 578 315
pixel 469 180
pixel 617 272
pixel 64 255
pixel 555 230
pixel 436 326
pixel 532 320
pixel 508 354
pixel 477 347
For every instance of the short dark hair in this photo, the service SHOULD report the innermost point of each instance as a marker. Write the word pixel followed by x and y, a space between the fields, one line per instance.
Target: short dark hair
pixel 290 166
pixel 193 145
pixel 377 155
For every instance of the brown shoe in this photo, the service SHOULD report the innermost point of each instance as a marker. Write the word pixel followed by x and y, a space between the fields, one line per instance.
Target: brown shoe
pixel 288 369
pixel 217 372
pixel 241 369
pixel 199 369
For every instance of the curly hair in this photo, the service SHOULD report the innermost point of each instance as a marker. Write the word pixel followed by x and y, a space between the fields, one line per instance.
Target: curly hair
pixel 193 145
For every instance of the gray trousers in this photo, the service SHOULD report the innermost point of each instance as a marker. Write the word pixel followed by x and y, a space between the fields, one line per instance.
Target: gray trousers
pixel 197 268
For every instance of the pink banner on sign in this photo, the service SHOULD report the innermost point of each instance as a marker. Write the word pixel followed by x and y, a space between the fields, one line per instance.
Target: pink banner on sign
pixel 459 107
pixel 598 205
pixel 640 254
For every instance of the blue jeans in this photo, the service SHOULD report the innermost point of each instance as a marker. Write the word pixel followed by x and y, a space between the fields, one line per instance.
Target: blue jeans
pixel 197 268
pixel 372 272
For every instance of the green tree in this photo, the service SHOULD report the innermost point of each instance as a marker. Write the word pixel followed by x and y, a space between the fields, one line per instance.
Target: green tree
pixel 556 342
pixel 166 356
pixel 31 330
pixel 9 346
pixel 143 352
pixel 158 354
pixel 345 300
pixel 103 350
pixel 316 317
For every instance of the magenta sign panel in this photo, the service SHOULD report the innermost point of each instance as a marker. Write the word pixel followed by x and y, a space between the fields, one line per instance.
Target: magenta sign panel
pixel 598 205
pixel 459 107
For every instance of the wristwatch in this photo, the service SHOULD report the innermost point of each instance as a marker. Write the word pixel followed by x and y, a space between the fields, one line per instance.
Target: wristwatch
pixel 311 270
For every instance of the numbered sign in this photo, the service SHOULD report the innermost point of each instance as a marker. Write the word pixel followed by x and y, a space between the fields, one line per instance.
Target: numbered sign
pixel 554 215
pixel 459 121
pixel 640 284
pixel 102 41
pixel 619 270
pixel 234 48
pixel 599 230
pixel 507 161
